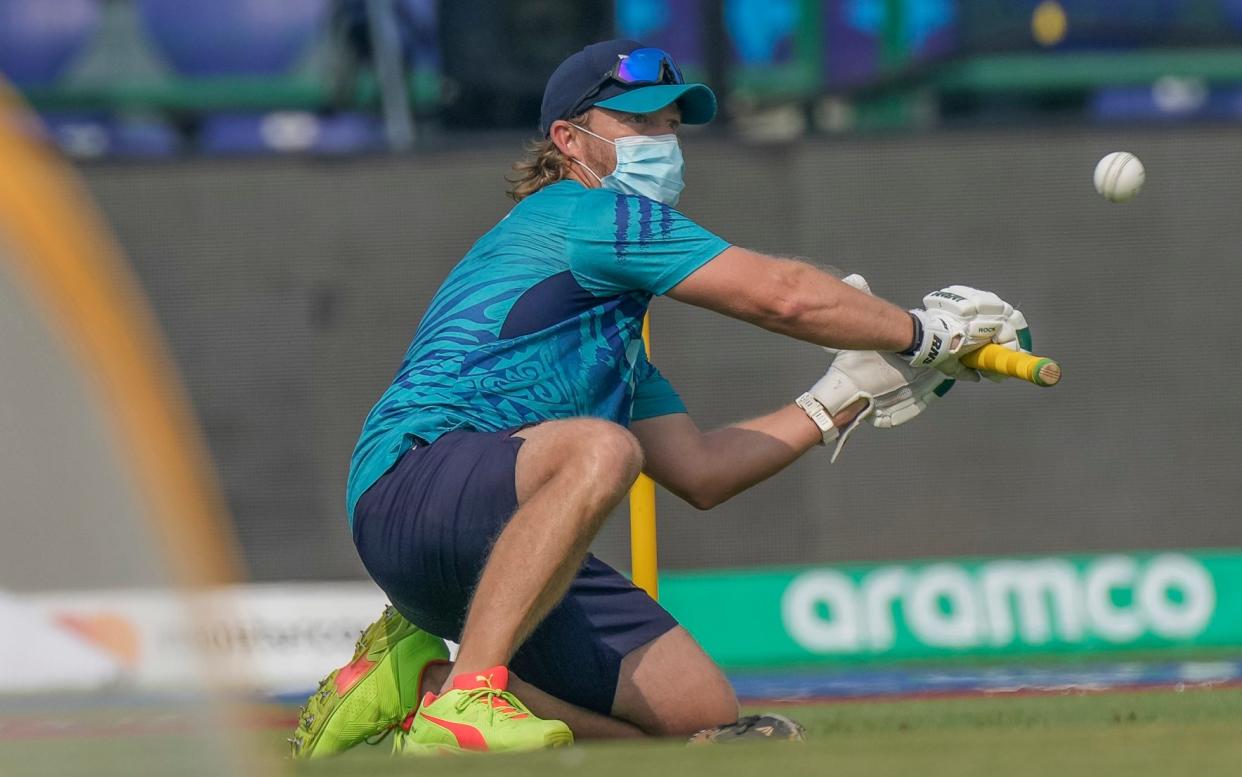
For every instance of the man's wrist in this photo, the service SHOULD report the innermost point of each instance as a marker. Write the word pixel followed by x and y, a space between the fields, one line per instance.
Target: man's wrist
pixel 917 335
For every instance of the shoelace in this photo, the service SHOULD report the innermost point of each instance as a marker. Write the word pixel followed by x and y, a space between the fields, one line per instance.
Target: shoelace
pixel 497 701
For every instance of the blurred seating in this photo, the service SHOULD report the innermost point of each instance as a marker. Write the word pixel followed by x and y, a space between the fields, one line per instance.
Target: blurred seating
pixel 673 25
pixel 417 30
pixel 1170 99
pixel 233 37
pixel 40 38
pixel 231 134
pixel 862 40
pixel 762 31
pixel 93 135
pixel 420 33
pixel 236 69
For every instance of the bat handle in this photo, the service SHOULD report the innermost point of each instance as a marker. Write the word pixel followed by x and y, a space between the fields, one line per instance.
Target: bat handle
pixel 1039 370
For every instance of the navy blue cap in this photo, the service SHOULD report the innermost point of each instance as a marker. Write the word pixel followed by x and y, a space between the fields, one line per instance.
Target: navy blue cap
pixel 581 72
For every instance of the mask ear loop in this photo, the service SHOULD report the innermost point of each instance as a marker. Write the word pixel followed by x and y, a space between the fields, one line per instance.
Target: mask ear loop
pixel 583 165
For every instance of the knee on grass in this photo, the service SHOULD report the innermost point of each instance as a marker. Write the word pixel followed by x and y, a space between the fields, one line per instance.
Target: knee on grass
pixel 701 713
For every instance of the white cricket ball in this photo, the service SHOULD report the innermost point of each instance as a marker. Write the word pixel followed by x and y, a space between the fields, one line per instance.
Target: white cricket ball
pixel 1119 176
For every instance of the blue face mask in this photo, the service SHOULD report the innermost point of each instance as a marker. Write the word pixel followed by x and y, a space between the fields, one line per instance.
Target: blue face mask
pixel 648 165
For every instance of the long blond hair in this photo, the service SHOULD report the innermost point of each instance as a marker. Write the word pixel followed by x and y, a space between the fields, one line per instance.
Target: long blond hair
pixel 544 164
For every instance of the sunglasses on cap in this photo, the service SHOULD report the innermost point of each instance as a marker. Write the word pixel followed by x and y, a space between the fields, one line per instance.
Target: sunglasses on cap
pixel 641 67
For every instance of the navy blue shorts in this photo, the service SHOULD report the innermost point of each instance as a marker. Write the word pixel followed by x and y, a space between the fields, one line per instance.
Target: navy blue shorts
pixel 424 531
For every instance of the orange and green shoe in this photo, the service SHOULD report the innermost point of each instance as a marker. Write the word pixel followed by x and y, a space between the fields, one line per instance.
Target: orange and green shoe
pixel 478 714
pixel 370 695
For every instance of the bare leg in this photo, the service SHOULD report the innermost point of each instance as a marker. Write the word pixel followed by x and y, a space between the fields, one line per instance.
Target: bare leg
pixel 570 474
pixel 670 687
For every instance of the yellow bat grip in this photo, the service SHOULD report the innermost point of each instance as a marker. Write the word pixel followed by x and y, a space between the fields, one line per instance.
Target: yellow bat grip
pixel 1016 364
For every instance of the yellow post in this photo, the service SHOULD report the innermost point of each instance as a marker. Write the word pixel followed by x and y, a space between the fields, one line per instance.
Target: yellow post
pixel 643 518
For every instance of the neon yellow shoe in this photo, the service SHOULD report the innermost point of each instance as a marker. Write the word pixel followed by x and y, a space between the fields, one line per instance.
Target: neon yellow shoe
pixel 372 693
pixel 478 714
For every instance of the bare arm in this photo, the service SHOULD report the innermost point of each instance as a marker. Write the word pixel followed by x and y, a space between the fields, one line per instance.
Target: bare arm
pixel 795 299
pixel 707 468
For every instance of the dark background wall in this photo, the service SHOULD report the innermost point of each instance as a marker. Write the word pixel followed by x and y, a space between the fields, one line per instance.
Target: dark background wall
pixel 290 288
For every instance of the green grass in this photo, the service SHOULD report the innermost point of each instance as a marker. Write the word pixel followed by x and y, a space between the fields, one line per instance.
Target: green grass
pixel 1196 732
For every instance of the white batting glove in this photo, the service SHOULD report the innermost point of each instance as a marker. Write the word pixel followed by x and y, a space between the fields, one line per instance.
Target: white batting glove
pixel 894 392
pixel 904 404
pixel 956 320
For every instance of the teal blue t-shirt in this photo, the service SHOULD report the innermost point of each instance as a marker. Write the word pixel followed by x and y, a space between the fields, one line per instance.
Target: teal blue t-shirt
pixel 541 320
